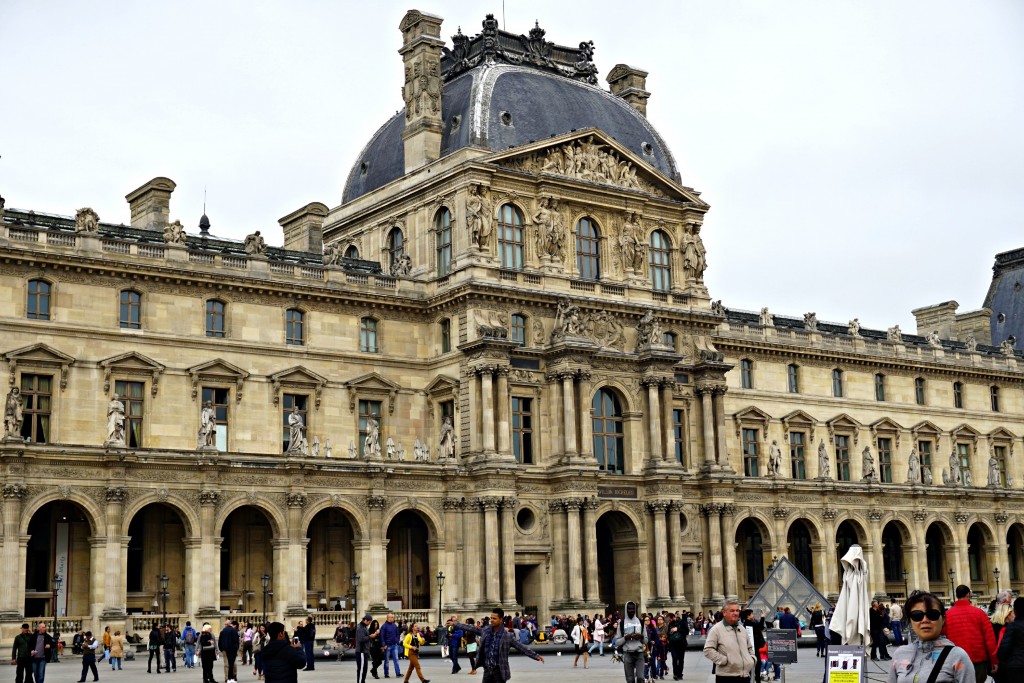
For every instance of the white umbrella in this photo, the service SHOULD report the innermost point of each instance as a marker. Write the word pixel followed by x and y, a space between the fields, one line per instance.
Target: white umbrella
pixel 850 619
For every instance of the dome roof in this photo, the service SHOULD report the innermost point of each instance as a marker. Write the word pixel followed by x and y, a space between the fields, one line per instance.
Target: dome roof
pixel 498 106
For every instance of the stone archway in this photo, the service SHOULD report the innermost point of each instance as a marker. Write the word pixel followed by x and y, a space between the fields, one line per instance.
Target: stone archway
pixel 58 545
pixel 847 534
pixel 894 537
pixel 800 542
pixel 752 545
pixel 330 558
pixel 979 569
pixel 246 554
pixel 938 541
pixel 1015 556
pixel 409 578
pixel 618 577
pixel 156 548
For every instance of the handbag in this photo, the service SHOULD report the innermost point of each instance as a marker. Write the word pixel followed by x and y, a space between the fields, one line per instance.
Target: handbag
pixel 471 648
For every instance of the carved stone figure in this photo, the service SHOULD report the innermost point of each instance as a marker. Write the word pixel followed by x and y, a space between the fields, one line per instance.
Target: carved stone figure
pixel 811 321
pixel 567 321
pixel 631 243
pixel 854 328
pixel 389 449
pixel 332 254
pixel 587 160
pixel 993 472
pixel 115 422
pixel 953 476
pixel 478 216
pixel 766 318
pixel 824 466
pixel 648 331
pixel 422 89
pixel 774 459
pixel 717 307
pixel 868 465
pixel 371 444
pixel 694 255
pixel 207 427
pixel 446 444
pixel 417 450
pixel 174 233
pixel 314 449
pixel 13 413
pixel 971 343
pixel 402 267
pixel 297 433
pixel 328 448
pixel 894 334
pixel 254 244
pixel 401 452
pixel 1007 346
pixel 968 478
pixel 87 220
pixel 934 341
pixel 914 468
pixel 550 231
pixel 425 452
pixel 351 448
pixel 926 476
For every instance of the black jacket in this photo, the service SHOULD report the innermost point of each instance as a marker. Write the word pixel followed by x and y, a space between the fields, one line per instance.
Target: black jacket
pixel 1011 650
pixel 170 640
pixel 227 641
pixel 682 628
pixel 156 638
pixel 362 638
pixel 281 662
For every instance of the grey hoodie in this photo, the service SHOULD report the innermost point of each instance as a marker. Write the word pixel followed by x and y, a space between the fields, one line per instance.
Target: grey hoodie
pixel 631 626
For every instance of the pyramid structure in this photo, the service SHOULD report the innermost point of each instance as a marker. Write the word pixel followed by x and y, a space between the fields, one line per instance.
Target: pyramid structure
pixel 786 586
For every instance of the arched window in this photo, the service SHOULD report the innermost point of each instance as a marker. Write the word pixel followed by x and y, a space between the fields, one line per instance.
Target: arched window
pixel 660 258
pixel 368 335
pixel 510 237
pixel 352 251
pixel 38 300
pixel 446 335
pixel 215 316
pixel 609 446
pixel 130 310
pixel 295 327
pixel 518 329
pixel 588 261
pixel 443 228
pixel 800 549
pixel 396 248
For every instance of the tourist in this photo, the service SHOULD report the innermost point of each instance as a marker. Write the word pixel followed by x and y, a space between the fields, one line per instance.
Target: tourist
pixel 363 648
pixel 259 641
pixel 281 659
pixel 227 643
pixel 21 654
pixel 412 643
pixel 495 643
pixel 188 641
pixel 1010 651
pixel 631 641
pixel 678 630
pixel 455 642
pixel 207 652
pixel 390 638
pixel 877 628
pixel 968 627
pixel 170 646
pixel 471 646
pixel 729 648
pixel 598 636
pixel 913 663
pixel 155 640
pixel 89 647
pixel 117 646
pixel 818 624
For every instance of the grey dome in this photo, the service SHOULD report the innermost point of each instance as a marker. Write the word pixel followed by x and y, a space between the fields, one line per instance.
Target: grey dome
pixel 499 106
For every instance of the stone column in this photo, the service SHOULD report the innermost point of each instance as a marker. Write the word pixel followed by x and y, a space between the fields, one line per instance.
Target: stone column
pixel 661 586
pixel 708 415
pixel 590 568
pixel 472 552
pixel 729 545
pixel 111 604
pixel 508 551
pixel 372 574
pixel 193 573
pixel 206 563
pixel 492 580
pixel 574 575
pixel 876 563
pixel 586 445
pixel 1002 550
pixel 675 560
pixel 553 417
pixel 487 412
pixel 723 446
pixel 569 414
pixel 831 562
pixel 504 410
pixel 712 512
pixel 12 590
pixel 296 555
pixel 667 425
pixel 918 577
pixel 556 510
pixel 653 419
pixel 475 439
pixel 450 564
pixel 963 572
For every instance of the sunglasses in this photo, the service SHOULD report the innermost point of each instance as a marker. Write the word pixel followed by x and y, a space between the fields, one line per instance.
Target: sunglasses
pixel 932 614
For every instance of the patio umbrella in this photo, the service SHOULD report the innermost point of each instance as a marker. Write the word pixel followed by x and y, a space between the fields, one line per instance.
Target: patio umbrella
pixel 850 619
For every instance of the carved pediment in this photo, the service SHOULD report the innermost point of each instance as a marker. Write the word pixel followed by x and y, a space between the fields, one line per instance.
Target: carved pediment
pixel 38 355
pixel 1001 434
pixel 442 384
pixel 926 428
pixel 372 385
pixel 300 378
pixel 886 427
pixel 218 370
pixel 798 417
pixel 965 431
pixel 133 364
pixel 752 414
pixel 844 423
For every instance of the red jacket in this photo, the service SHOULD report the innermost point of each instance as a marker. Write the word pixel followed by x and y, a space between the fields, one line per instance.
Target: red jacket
pixel 969 627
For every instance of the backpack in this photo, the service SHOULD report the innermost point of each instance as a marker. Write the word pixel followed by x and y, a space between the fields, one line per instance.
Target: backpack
pixel 190 636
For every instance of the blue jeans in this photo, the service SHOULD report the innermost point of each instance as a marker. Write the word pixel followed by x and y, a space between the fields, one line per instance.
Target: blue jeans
pixel 38 670
pixel 307 650
pixel 897 632
pixel 391 654
pixel 190 655
pixel 595 645
pixel 453 654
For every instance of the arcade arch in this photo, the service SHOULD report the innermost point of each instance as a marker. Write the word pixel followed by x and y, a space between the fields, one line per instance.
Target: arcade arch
pixel 618 544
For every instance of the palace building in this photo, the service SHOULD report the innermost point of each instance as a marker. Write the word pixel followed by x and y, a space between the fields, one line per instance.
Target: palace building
pixel 496 360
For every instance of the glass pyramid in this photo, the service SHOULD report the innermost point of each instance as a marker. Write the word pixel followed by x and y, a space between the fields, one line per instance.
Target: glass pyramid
pixel 785 586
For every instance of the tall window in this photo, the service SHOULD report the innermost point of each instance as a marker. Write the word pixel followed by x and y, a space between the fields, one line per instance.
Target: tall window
pixel 924 451
pixel 837 383
pixel 522 430
pixel 219 398
pixel 609 446
pixel 396 248
pixel 999 453
pixel 879 387
pixel 750 462
pixel 368 335
pixel 295 327
pixel 36 394
pixel 993 393
pixel 958 394
pixel 796 455
pixel 130 312
pixel 510 237
pixel 368 409
pixel 678 434
pixel 352 251
pixel 132 395
pixel 215 318
pixel 885 460
pixel 660 259
pixel 793 378
pixel 289 402
pixel 443 229
pixel 919 391
pixel 518 329
pixel 842 443
pixel 746 374
pixel 446 335
pixel 38 300
pixel 669 340
pixel 963 451
pixel 587 258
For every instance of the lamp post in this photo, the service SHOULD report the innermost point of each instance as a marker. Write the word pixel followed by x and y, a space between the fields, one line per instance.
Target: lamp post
pixel 57 581
pixel 995 572
pixel 906 586
pixel 952 591
pixel 266 586
pixel 163 594
pixel 355 594
pixel 773 564
pixel 440 585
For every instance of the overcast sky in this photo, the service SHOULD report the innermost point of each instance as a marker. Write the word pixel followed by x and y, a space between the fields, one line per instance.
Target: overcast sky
pixel 861 158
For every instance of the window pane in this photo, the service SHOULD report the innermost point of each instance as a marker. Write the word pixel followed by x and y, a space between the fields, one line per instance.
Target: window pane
pixel 443 227
pixel 796 455
pixel 219 398
pixel 522 430
pixel 368 335
pixel 131 394
pixel 368 410
pixel 510 237
pixel 130 309
pixel 750 452
pixel 295 323
pixel 587 258
pixel 35 396
pixel 38 300
pixel 215 318
pixel 660 260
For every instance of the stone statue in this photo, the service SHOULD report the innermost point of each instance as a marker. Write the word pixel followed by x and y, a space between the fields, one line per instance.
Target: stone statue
pixel 993 472
pixel 550 232
pixel 1007 346
pixel 934 341
pixel 767 319
pixel 87 220
pixel 328 448
pixel 417 450
pixel 296 433
pixel 648 331
pixel 868 465
pixel 811 321
pixel 446 444
pixel 774 459
pixel 14 413
pixel 824 466
pixel 854 328
pixel 694 254
pixel 115 422
pixel 717 307
pixel 371 444
pixel 401 452
pixel 207 427
pixel 425 451
pixel 894 334
pixel 174 233
pixel 402 267
pixel 389 448
pixel 332 254
pixel 567 320
pixel 351 448
pixel 254 244
pixel 971 343
pixel 914 468
pixel 314 449
pixel 631 243
pixel 478 216
pixel 926 475
pixel 953 476
pixel 968 478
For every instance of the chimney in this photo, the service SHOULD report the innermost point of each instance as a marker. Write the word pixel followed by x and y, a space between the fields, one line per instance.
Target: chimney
pixel 151 204
pixel 630 83
pixel 303 229
pixel 421 55
pixel 939 318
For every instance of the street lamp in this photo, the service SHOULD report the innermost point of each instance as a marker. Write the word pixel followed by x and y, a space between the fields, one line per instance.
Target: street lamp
pixel 440 585
pixel 163 594
pixel 773 564
pixel 996 573
pixel 952 591
pixel 57 581
pixel 906 586
pixel 355 594
pixel 266 585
